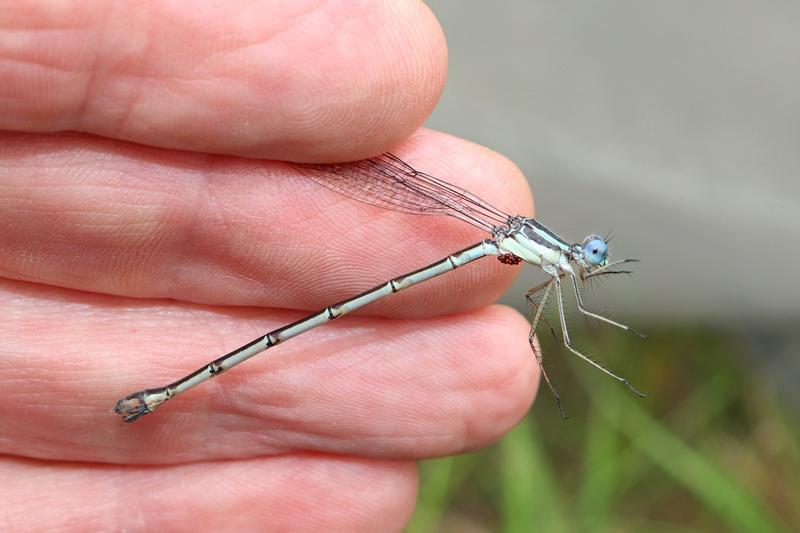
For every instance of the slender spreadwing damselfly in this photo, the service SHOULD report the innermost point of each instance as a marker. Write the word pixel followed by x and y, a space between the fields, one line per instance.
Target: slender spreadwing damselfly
pixel 388 182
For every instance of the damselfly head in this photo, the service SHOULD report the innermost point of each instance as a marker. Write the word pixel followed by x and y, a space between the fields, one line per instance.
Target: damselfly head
pixel 595 250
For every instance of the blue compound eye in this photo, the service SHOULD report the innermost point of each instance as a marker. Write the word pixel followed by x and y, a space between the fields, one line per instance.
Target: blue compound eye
pixel 595 250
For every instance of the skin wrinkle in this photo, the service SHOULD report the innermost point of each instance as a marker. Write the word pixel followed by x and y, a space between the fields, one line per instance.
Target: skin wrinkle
pixel 133 80
pixel 16 63
pixel 195 206
pixel 93 66
pixel 290 22
pixel 262 40
pixel 247 260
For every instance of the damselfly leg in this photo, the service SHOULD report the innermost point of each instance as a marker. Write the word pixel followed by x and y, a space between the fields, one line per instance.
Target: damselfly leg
pixel 538 302
pixel 568 342
pixel 538 309
pixel 582 307
pixel 605 270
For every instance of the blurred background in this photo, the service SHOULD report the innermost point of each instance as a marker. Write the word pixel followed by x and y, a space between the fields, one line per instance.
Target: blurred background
pixel 675 125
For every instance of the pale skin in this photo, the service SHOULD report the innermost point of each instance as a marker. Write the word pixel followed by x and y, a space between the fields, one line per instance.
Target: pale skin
pixel 147 226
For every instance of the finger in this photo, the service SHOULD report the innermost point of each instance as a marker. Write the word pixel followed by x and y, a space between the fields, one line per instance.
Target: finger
pixel 376 387
pixel 116 218
pixel 291 80
pixel 292 493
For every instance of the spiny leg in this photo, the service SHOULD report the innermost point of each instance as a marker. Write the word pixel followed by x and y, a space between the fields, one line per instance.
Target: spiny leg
pixel 602 271
pixel 551 329
pixel 586 312
pixel 537 289
pixel 548 285
pixel 606 269
pixel 535 304
pixel 568 343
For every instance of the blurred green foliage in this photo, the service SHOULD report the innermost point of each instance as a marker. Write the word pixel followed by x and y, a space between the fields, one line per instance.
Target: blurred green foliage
pixel 712 448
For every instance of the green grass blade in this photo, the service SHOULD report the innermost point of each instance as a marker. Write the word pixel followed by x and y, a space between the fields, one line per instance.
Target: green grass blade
pixel 531 498
pixel 721 493
pixel 601 474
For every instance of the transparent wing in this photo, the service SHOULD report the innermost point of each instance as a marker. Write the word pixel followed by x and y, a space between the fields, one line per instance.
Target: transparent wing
pixel 388 182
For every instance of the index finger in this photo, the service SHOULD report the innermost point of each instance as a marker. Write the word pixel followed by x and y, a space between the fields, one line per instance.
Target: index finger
pixel 303 81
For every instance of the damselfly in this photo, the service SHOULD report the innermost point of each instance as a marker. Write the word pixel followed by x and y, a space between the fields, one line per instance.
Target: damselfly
pixel 388 182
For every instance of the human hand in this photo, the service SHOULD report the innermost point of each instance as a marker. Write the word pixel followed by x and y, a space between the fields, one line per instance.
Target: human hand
pixel 144 246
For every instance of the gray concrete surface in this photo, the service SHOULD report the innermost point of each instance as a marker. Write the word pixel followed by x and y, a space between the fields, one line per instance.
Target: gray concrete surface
pixel 674 124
